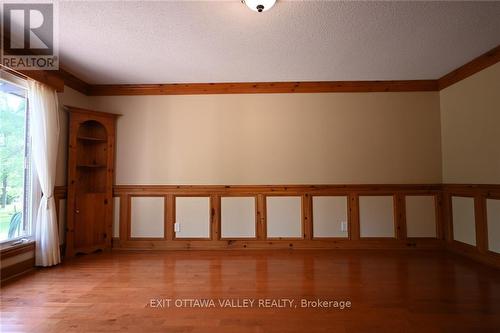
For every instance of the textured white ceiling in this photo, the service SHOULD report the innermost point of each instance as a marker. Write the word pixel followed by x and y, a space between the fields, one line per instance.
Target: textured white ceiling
pixel 223 41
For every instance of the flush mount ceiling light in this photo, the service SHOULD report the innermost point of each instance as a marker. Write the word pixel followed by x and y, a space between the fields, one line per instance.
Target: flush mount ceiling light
pixel 259 5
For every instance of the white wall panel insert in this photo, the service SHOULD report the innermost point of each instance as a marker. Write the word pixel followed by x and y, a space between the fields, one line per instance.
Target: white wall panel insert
pixel 330 216
pixel 493 214
pixel 420 216
pixel 147 217
pixel 116 217
pixel 464 223
pixel 238 217
pixel 192 217
pixel 376 216
pixel 284 217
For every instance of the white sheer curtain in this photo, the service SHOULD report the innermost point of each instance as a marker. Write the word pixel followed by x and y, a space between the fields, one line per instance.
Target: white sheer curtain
pixel 44 125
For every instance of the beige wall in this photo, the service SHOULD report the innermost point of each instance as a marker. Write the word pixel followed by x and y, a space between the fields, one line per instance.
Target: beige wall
pixel 277 138
pixel 470 118
pixel 306 138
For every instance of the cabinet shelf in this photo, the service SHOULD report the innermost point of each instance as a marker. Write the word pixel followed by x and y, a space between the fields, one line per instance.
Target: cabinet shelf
pixel 91 166
pixel 91 139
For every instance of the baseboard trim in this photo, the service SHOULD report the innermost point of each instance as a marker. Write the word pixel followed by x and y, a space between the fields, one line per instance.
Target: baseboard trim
pixel 17 270
pixel 381 244
pixel 488 258
pixel 17 276
pixel 13 271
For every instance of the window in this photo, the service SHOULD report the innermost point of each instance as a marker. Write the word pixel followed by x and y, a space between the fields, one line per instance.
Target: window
pixel 15 171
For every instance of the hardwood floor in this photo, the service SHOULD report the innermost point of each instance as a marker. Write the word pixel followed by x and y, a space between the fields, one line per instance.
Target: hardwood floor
pixel 390 291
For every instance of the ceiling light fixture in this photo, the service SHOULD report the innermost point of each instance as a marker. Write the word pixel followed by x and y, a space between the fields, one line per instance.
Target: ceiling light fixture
pixel 259 5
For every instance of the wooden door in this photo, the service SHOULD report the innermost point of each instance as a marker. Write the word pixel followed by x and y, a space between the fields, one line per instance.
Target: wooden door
pixel 90 222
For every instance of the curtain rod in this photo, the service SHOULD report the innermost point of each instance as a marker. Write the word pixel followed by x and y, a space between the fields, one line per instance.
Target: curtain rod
pixel 26 77
pixel 13 77
pixel 14 72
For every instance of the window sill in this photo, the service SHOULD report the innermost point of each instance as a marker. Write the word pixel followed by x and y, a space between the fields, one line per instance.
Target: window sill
pixel 11 248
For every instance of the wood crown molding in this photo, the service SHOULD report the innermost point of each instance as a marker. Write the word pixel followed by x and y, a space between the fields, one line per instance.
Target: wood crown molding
pixel 262 87
pixel 63 77
pixel 56 79
pixel 73 82
pixel 472 67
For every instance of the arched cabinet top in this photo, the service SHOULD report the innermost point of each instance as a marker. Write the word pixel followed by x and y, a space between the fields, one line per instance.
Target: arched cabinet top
pixel 92 130
pixel 97 114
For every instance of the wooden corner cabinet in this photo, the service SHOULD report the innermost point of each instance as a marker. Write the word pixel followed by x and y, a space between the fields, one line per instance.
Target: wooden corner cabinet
pixel 91 156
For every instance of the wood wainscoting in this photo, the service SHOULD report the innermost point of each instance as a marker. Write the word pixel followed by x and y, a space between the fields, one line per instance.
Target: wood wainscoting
pixel 442 194
pixel 480 193
pixel 16 261
pixel 123 238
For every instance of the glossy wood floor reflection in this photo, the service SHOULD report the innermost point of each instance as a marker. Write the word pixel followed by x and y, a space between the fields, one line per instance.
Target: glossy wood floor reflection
pixel 390 291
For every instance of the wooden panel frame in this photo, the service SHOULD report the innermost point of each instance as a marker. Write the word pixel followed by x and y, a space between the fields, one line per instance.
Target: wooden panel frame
pixel 261 217
pixel 256 222
pixel 125 192
pixel 348 217
pixel 307 216
pixel 261 192
pixel 169 192
pixel 354 229
pixel 400 216
pixel 205 190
